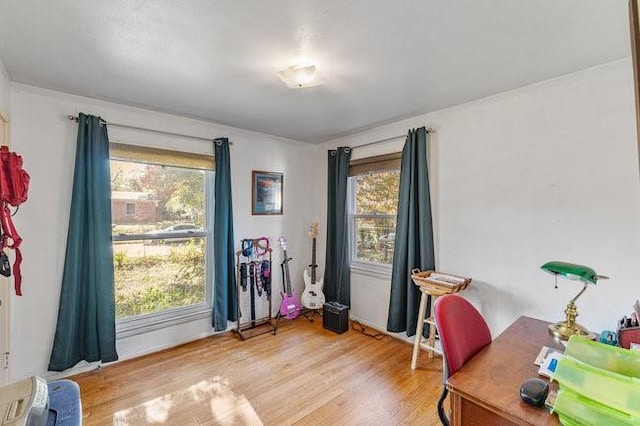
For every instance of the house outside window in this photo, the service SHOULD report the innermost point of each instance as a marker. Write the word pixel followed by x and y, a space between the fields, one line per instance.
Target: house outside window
pixel 132 206
pixel 373 198
pixel 161 262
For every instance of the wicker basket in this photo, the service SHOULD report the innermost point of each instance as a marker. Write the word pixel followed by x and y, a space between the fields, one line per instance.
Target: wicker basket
pixel 438 283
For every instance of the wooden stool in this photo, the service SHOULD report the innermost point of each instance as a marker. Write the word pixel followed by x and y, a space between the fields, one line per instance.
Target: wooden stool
pixel 434 284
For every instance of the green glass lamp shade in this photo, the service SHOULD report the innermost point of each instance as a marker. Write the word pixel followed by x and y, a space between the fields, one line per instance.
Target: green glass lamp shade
pixel 572 271
pixel 569 327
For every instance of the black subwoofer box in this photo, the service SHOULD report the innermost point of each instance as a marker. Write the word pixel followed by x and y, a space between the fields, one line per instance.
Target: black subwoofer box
pixel 335 317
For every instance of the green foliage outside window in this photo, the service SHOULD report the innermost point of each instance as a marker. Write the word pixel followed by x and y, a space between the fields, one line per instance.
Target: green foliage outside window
pixel 178 192
pixel 374 219
pixel 153 274
pixel 377 192
pixel 154 283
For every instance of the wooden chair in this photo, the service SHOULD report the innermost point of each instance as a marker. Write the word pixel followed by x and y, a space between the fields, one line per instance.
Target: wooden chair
pixel 463 333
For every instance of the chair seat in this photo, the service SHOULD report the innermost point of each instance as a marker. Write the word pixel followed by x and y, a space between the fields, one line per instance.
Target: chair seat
pixel 65 406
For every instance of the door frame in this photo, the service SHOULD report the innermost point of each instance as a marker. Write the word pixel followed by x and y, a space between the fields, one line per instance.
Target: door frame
pixel 5 297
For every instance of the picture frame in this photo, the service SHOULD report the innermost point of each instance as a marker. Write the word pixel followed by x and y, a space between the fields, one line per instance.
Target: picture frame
pixel 266 193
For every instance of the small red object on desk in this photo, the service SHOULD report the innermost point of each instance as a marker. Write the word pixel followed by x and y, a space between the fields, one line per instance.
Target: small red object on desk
pixel 628 335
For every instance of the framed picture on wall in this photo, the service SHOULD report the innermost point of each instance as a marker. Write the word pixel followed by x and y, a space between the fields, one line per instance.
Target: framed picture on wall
pixel 266 193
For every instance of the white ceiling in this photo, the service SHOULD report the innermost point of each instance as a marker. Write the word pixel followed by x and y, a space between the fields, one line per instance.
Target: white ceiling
pixel 382 60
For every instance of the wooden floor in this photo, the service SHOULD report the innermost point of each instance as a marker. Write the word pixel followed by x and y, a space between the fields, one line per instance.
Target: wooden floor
pixel 304 375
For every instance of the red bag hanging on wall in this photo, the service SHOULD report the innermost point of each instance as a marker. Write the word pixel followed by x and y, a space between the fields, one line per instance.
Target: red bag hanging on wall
pixel 14 185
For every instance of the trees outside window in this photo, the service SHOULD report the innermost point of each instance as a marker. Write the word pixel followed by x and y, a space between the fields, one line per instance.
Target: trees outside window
pixel 374 203
pixel 160 252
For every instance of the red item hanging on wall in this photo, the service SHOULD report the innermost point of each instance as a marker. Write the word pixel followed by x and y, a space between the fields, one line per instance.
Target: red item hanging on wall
pixel 14 186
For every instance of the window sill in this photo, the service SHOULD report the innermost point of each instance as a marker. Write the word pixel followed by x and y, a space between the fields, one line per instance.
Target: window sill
pixel 129 328
pixel 371 270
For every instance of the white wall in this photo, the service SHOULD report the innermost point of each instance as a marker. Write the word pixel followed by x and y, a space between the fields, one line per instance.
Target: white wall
pixel 5 89
pixel 545 172
pixel 46 140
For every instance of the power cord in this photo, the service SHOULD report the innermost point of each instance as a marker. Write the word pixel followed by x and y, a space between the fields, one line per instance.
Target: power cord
pixel 362 329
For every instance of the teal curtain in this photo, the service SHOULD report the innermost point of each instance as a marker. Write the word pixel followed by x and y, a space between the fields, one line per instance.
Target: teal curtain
pixel 337 285
pixel 414 235
pixel 86 314
pixel 224 279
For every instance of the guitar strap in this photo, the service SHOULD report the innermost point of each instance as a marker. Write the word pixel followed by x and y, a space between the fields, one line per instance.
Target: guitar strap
pixel 252 276
pixel 243 276
pixel 253 296
pixel 256 273
pixel 265 269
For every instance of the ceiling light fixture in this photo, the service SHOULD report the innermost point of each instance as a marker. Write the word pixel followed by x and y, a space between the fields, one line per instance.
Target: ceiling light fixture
pixel 300 76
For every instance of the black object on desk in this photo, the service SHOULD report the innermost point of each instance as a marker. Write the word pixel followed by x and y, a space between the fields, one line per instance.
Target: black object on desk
pixel 534 391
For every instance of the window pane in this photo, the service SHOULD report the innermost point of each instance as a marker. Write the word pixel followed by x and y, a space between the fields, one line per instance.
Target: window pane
pixel 152 278
pixel 158 196
pixel 377 192
pixel 375 202
pixel 159 237
pixel 375 238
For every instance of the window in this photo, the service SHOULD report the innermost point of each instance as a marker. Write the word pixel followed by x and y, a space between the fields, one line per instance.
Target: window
pixel 131 209
pixel 161 235
pixel 374 185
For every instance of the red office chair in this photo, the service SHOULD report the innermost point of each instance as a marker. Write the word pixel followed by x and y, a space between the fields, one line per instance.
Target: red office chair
pixel 463 333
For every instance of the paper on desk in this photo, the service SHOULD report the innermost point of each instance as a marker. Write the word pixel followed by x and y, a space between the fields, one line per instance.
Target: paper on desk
pixel 544 352
pixel 550 363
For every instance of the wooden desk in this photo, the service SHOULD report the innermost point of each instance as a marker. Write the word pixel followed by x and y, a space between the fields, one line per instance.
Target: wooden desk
pixel 487 389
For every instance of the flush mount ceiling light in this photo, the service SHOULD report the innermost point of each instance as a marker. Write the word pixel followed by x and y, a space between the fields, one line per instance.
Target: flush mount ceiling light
pixel 300 76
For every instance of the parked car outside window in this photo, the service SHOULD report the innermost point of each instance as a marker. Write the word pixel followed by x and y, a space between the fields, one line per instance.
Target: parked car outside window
pixel 177 233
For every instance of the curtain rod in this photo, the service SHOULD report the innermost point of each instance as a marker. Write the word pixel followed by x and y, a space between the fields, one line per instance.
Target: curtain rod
pixel 144 129
pixel 429 130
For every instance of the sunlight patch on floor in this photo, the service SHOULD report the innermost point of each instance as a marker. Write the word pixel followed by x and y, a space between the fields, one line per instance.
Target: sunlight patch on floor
pixel 210 401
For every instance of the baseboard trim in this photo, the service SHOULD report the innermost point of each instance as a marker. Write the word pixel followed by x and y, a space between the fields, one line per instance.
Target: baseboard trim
pixel 84 367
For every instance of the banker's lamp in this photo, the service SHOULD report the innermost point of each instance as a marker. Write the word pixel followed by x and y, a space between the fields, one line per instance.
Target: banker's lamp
pixel 569 327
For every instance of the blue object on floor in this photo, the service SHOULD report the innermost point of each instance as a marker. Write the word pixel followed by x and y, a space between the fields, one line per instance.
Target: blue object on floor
pixel 65 407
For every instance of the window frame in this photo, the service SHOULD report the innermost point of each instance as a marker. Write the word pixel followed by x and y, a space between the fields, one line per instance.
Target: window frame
pixel 377 164
pixel 143 323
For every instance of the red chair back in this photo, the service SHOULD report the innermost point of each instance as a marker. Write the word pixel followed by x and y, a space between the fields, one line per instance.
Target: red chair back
pixel 462 330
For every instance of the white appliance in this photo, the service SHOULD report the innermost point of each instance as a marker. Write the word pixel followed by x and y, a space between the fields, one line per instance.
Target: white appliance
pixel 25 403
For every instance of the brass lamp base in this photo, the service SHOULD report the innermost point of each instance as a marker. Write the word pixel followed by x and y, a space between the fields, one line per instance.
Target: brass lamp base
pixel 569 327
pixel 563 330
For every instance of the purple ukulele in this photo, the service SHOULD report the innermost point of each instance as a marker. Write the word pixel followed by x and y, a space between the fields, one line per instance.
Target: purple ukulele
pixel 290 307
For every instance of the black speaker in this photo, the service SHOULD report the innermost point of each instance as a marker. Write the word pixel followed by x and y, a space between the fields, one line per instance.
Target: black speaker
pixel 335 317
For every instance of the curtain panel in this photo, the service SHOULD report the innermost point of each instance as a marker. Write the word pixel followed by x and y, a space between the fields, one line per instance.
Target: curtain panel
pixel 337 279
pixel 414 235
pixel 224 280
pixel 85 327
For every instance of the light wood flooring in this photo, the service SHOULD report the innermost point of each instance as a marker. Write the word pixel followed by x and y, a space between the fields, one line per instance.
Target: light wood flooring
pixel 304 375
